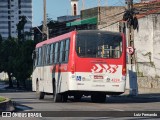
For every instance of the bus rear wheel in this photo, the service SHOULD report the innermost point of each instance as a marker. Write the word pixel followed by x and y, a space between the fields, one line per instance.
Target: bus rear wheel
pixel 59 97
pixel 98 98
pixel 39 95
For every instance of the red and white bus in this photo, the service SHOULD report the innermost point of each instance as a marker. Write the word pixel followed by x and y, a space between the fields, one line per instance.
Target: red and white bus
pixel 83 62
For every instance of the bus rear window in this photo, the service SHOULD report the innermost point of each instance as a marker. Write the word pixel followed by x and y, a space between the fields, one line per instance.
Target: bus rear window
pixel 99 45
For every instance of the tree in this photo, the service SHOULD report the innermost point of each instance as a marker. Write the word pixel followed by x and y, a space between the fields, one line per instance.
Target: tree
pixel 8 52
pixel 23 62
pixel 1 53
pixel 20 28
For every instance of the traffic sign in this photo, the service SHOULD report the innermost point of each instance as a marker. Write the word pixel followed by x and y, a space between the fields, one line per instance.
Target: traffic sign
pixel 130 50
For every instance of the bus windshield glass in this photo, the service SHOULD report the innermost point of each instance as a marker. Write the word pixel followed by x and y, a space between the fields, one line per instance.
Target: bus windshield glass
pixel 99 44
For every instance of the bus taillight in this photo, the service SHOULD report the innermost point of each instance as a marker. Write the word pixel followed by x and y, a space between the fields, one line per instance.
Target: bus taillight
pixel 73 69
pixel 124 71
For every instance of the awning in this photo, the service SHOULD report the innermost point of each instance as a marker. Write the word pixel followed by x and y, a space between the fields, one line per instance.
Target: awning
pixel 92 20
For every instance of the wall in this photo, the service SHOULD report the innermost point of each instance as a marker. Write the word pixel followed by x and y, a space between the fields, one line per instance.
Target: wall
pixel 109 16
pixel 147 45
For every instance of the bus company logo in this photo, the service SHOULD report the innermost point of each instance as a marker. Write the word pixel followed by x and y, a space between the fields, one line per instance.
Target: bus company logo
pixel 104 68
pixel 78 78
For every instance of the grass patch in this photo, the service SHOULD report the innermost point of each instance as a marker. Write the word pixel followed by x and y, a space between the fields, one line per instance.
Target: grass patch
pixel 2 99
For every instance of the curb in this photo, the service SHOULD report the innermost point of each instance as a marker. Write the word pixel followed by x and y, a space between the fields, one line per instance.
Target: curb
pixel 6 105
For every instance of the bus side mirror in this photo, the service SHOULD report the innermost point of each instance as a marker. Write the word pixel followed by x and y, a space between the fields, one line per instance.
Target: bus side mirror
pixel 34 55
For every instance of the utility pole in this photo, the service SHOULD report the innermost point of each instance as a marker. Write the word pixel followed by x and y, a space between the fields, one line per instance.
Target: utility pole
pixel 131 57
pixel 106 2
pixel 99 12
pixel 45 28
pixel 99 3
pixel 83 4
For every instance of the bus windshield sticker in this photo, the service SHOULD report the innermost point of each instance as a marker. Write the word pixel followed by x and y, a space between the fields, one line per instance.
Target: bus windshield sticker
pixel 103 68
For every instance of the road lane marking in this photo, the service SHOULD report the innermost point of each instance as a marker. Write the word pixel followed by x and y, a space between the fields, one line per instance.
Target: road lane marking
pixel 116 109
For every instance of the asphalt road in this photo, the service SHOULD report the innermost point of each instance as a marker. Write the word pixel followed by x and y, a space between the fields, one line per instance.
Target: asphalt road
pixel 26 101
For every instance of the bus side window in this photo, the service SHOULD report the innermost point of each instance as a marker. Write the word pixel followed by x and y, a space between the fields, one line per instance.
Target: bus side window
pixel 56 53
pixel 36 59
pixel 39 56
pixel 48 54
pixel 61 50
pixel 66 52
pixel 44 55
pixel 51 54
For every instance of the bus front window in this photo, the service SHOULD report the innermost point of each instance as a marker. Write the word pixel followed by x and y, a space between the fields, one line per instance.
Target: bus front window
pixel 99 45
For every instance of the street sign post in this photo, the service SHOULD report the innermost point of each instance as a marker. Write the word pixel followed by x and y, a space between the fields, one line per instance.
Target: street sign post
pixel 130 50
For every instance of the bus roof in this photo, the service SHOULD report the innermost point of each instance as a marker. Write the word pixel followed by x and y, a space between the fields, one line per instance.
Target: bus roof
pixel 98 31
pixel 55 39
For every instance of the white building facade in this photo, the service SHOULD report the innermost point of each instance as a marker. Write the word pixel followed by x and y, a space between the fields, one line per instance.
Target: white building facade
pixel 10 13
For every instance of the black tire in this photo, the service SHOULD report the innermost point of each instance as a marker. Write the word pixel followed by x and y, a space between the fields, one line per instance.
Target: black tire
pixel 77 98
pixel 40 95
pixel 57 97
pixel 60 97
pixel 98 98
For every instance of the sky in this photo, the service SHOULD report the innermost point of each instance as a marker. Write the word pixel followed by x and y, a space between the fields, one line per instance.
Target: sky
pixel 56 8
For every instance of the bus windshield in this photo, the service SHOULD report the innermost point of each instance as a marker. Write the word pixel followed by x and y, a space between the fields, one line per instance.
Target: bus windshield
pixel 99 44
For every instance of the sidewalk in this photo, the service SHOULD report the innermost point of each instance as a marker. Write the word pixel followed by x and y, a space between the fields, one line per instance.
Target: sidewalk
pixel 6 105
pixel 141 95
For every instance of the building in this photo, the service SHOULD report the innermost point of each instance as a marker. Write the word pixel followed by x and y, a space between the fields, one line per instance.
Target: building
pixel 74 7
pixel 67 18
pixel 10 14
pixel 99 17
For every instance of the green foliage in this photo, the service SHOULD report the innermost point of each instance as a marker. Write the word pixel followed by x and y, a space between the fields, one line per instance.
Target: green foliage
pixel 0 53
pixel 7 54
pixel 2 99
pixel 23 61
pixel 20 28
pixel 16 59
